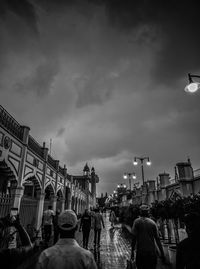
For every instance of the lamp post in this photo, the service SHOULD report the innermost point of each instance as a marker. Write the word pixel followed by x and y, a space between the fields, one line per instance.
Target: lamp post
pixel 142 161
pixel 192 87
pixel 129 176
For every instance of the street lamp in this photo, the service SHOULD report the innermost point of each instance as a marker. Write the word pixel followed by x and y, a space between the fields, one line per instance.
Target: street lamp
pixel 129 176
pixel 148 162
pixel 192 87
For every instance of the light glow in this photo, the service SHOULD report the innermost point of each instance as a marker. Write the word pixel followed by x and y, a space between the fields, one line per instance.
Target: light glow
pixel 192 87
pixel 125 176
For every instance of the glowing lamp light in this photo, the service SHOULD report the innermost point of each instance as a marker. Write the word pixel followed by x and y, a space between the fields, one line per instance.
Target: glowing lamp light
pixel 125 176
pixel 192 87
pixel 134 176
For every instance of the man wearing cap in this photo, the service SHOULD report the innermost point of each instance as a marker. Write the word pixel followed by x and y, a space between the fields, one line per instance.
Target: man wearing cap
pixel 66 253
pixel 146 237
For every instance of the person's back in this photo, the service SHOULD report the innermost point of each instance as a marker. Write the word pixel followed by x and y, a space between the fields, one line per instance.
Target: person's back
pixel 146 231
pixel 48 217
pixel 98 221
pixel 145 238
pixel 66 253
pixel 187 255
pixel 86 221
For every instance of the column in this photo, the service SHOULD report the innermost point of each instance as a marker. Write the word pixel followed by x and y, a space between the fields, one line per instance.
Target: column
pixel 151 191
pixel 186 177
pixel 40 207
pixel 18 193
pixel 69 199
pixel 54 202
pixel 62 204
pixel 164 182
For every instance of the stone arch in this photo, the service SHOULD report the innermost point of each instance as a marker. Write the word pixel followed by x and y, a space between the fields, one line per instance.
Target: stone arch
pixel 49 194
pixel 33 176
pixel 49 191
pixel 59 193
pixel 8 178
pixel 31 186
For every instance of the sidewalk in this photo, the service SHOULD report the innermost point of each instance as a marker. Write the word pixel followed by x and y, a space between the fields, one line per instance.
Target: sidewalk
pixel 115 248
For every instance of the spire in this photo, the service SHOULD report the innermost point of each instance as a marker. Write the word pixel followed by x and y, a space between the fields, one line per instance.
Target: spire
pixel 86 169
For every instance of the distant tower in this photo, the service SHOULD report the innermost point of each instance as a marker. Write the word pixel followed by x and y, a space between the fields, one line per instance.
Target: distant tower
pixel 86 170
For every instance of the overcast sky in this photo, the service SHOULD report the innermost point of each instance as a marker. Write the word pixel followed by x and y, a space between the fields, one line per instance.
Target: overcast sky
pixel 104 80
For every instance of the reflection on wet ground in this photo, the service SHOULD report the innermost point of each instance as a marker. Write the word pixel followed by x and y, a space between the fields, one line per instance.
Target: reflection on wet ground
pixel 115 247
pixel 114 250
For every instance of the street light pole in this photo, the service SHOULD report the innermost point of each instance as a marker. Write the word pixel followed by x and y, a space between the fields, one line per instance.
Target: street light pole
pixel 193 86
pixel 142 171
pixel 142 167
pixel 129 175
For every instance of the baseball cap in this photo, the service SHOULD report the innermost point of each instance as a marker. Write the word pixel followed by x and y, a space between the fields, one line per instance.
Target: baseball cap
pixel 67 220
pixel 144 207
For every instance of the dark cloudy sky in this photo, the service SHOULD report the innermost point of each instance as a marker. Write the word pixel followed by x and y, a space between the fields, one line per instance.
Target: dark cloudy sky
pixel 104 79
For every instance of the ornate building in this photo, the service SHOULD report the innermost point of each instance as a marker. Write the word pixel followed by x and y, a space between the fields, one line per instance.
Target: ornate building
pixel 30 179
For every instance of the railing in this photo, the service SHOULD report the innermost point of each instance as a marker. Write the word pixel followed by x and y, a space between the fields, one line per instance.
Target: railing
pixel 196 173
pixel 61 170
pixel 51 161
pixel 35 146
pixel 6 203
pixel 7 121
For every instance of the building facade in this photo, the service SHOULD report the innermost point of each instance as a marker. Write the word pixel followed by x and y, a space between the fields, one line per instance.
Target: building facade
pixel 31 180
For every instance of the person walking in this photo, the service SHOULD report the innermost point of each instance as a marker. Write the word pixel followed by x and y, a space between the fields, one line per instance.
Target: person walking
pixel 145 238
pixel 112 218
pixel 48 223
pixel 66 253
pixel 187 254
pixel 55 226
pixel 98 224
pixel 85 226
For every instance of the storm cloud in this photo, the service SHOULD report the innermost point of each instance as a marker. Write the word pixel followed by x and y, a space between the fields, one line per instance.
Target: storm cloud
pixel 104 80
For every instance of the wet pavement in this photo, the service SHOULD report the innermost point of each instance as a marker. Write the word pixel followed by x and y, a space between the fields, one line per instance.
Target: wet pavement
pixel 115 249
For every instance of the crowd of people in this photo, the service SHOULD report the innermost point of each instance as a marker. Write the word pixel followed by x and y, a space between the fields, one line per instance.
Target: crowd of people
pixel 61 250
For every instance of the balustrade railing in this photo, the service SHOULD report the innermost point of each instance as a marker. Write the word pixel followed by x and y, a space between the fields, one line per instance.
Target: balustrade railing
pixel 196 173
pixel 10 124
pixel 61 170
pixel 7 121
pixel 35 146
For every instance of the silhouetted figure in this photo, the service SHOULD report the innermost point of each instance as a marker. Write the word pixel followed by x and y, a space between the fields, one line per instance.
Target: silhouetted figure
pixel 112 218
pixel 98 224
pixel 55 226
pixel 85 226
pixel 48 223
pixel 188 253
pixel 66 253
pixel 145 235
pixel 11 258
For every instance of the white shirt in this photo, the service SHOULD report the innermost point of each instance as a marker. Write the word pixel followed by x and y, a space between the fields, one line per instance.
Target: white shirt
pixel 66 254
pixel 48 217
